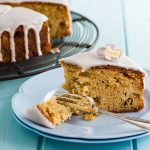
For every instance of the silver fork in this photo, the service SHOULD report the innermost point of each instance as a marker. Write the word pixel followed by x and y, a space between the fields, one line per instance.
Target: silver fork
pixel 87 105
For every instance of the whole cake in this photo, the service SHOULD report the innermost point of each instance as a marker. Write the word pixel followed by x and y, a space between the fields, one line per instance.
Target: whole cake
pixel 113 80
pixel 57 12
pixel 23 33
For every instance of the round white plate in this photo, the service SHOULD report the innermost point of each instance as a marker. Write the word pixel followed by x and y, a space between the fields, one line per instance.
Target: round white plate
pixel 78 140
pixel 103 127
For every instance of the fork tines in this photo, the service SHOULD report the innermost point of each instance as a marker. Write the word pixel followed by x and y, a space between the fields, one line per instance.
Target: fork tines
pixel 75 102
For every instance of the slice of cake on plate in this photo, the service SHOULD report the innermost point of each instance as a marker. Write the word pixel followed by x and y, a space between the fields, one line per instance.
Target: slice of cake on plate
pixel 57 12
pixel 23 33
pixel 113 80
pixel 49 113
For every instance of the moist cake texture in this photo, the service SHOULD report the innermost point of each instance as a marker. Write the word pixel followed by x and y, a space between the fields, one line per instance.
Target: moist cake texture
pixel 54 112
pixel 115 85
pixel 23 33
pixel 57 12
pixel 48 113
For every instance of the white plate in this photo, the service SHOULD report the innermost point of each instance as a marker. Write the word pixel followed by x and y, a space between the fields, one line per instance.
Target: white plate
pixel 78 140
pixel 103 127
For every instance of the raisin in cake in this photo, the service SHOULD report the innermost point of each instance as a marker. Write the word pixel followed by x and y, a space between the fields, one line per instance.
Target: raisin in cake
pixel 57 12
pixel 113 80
pixel 23 33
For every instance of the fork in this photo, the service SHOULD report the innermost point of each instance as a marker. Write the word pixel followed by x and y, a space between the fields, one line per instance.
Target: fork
pixel 86 104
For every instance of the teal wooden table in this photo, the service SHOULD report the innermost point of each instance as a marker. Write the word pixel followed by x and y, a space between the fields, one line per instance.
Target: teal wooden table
pixel 124 23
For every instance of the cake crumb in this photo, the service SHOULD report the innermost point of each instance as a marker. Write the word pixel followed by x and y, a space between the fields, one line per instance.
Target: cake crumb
pixel 54 112
pixel 55 50
pixel 89 117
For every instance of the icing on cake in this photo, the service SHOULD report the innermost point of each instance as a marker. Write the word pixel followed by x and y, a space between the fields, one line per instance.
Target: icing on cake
pixel 86 60
pixel 11 18
pixel 36 116
pixel 63 2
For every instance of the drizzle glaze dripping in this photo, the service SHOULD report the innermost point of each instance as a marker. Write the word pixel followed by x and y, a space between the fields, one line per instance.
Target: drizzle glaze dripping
pixel 16 17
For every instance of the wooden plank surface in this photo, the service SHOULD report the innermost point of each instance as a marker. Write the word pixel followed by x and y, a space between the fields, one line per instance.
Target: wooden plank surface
pixel 12 135
pixel 58 145
pixel 143 143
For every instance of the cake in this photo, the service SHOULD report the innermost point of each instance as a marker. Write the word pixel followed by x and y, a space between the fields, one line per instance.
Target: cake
pixel 57 12
pixel 49 113
pixel 24 33
pixel 113 80
pixel 54 110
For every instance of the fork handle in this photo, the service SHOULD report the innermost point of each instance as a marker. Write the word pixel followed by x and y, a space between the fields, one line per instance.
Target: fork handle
pixel 143 125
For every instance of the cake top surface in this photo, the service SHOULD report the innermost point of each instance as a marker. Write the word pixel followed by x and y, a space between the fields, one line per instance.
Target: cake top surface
pixel 63 2
pixel 11 18
pixel 86 60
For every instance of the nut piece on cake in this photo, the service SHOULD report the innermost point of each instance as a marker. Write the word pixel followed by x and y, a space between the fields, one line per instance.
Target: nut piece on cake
pixel 49 113
pixel 116 85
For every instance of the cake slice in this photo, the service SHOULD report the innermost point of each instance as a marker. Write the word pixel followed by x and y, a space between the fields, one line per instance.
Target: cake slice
pixel 57 12
pixel 49 113
pixel 113 80
pixel 24 33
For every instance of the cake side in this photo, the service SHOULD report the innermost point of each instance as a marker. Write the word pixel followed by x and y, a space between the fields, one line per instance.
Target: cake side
pixel 113 80
pixel 113 88
pixel 57 13
pixel 20 44
pixel 24 33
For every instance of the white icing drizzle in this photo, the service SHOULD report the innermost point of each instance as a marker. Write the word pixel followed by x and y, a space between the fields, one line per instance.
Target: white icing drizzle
pixel 3 10
pixel 86 60
pixel 26 42
pixel 1 59
pixel 63 2
pixel 37 34
pixel 11 18
pixel 12 46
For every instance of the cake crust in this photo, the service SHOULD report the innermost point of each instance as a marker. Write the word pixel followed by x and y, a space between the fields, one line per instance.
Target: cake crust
pixel 58 14
pixel 23 33
pixel 113 88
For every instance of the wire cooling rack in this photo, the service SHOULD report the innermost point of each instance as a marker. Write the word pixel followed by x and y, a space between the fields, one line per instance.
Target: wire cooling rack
pixel 84 36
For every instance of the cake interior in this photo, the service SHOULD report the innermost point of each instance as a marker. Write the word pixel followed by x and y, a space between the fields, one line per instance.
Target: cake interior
pixel 57 14
pixel 54 112
pixel 112 88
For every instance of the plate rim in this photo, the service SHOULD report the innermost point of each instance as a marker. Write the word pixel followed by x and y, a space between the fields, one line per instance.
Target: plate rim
pixel 78 140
